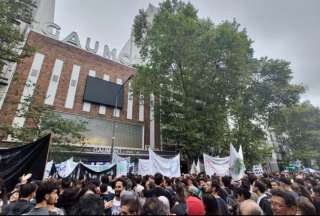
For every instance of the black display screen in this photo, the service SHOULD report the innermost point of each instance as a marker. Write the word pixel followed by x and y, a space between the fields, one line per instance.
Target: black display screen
pixel 102 92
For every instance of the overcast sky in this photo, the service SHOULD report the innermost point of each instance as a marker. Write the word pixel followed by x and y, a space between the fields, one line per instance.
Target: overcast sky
pixel 286 29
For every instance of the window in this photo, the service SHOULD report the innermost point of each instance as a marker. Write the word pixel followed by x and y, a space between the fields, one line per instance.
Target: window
pixel 34 72
pixel 55 78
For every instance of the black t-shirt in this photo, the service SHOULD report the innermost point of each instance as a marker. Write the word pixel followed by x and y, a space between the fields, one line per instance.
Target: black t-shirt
pixel 158 191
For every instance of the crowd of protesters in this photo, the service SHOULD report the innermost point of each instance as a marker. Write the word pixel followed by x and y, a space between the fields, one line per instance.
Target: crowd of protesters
pixel 277 194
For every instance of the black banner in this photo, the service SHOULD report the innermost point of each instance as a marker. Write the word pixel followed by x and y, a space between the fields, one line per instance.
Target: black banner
pixel 30 158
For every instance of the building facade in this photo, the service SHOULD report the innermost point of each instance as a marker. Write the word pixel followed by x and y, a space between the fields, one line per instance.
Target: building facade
pixel 56 75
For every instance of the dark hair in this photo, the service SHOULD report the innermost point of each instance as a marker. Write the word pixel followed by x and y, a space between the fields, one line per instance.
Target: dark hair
pixel 105 179
pixel 288 198
pixel 306 207
pixel 222 193
pixel 158 178
pixel 95 182
pixel 226 180
pixel 316 189
pixel 91 204
pixel 103 188
pixel 168 180
pixel 210 204
pixel 180 192
pixel 68 200
pixel 243 190
pixel 66 183
pixel 261 187
pixel 285 180
pixel 124 183
pixel 45 188
pixel 252 178
pixel 27 189
pixel 153 206
pixel 138 179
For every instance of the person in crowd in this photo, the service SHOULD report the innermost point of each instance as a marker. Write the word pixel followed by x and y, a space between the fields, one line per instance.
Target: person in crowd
pixel 316 198
pixel 68 200
pixel 263 201
pixel 179 207
pixel 138 188
pixel 242 193
pixel 158 190
pixel 285 184
pixel 91 204
pixel 14 195
pixel 23 205
pixel 250 207
pixel 275 184
pixel 195 206
pixel 107 197
pixel 165 202
pixel 305 207
pixel 130 204
pixel 213 188
pixel 283 203
pixel 167 183
pixel 46 192
pixel 115 205
pixel 210 204
pixel 153 206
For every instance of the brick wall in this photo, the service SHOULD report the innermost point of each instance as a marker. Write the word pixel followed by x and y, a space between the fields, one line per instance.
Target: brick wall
pixel 53 49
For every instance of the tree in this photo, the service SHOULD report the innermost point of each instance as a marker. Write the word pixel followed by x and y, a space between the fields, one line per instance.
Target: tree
pixel 41 120
pixel 299 131
pixel 211 90
pixel 12 13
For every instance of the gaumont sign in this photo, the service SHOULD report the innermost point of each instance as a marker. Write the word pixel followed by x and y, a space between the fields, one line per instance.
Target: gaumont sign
pixel 53 30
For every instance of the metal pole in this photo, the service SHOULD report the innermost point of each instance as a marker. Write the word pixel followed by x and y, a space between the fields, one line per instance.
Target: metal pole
pixel 114 129
pixel 114 122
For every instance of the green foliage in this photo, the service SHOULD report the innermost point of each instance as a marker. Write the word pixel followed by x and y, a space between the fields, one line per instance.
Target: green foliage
pixel 41 120
pixel 206 77
pixel 299 130
pixel 12 12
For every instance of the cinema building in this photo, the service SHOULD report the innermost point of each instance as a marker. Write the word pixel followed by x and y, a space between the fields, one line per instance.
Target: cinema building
pixel 81 85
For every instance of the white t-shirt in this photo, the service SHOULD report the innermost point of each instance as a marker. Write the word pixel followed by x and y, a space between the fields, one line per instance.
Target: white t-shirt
pixel 116 209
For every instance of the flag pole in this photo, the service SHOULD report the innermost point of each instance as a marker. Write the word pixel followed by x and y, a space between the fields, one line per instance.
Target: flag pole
pixel 48 152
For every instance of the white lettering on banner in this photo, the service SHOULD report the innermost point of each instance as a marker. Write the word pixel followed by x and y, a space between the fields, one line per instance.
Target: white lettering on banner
pixel 215 165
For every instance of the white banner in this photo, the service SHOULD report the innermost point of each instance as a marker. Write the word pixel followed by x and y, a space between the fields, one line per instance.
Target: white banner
pixel 216 165
pixel 144 167
pixel 193 168
pixel 198 167
pixel 167 167
pixel 98 167
pixel 120 162
pixel 122 168
pixel 116 158
pixel 65 168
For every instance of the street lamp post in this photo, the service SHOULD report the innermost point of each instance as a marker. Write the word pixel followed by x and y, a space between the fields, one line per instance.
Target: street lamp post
pixel 113 121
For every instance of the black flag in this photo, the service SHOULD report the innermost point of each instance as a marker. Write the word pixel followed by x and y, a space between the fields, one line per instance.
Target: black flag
pixel 30 158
